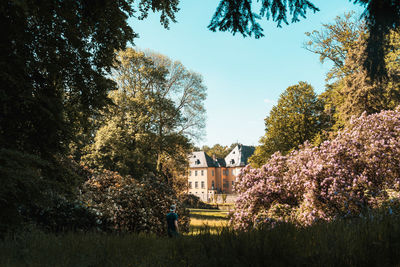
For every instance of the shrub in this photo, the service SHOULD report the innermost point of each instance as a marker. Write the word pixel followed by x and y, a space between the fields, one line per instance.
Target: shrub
pixel 350 175
pixel 63 215
pixel 125 204
pixel 33 188
pixel 194 202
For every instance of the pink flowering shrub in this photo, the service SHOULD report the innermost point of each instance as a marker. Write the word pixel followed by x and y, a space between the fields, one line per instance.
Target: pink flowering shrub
pixel 355 173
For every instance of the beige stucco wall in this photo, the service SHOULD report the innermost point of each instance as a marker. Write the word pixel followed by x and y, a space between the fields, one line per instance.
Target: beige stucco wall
pixel 219 177
pixel 199 178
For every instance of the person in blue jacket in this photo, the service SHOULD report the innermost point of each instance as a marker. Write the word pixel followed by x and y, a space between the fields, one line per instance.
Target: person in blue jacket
pixel 172 222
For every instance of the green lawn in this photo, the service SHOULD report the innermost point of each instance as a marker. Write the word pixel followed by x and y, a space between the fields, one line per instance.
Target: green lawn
pixel 212 219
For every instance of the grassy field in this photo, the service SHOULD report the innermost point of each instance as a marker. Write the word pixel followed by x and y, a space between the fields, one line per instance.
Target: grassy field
pixel 207 219
pixel 343 243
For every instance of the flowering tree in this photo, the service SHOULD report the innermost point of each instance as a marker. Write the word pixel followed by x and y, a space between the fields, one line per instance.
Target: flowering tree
pixel 357 171
pixel 124 204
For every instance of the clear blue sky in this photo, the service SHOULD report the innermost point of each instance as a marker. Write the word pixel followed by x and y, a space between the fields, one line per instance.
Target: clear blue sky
pixel 244 76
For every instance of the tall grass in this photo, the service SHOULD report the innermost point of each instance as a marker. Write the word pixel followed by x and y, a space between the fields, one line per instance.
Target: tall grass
pixel 346 243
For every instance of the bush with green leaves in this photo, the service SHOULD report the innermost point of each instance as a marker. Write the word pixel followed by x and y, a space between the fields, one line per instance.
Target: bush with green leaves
pixel 192 201
pixel 29 196
pixel 63 215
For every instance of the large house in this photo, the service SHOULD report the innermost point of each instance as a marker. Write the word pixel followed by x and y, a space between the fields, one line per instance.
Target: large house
pixel 209 176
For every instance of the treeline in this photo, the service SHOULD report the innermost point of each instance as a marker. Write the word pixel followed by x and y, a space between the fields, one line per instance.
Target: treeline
pixel 217 150
pixel 93 135
pixel 301 115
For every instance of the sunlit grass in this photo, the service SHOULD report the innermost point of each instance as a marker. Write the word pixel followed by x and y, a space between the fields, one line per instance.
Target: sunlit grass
pixel 211 220
pixel 209 213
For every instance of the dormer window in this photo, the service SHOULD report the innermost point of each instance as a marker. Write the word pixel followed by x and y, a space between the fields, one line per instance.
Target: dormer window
pixel 232 161
pixel 197 161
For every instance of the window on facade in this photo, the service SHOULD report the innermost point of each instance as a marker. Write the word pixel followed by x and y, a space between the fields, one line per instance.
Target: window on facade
pixel 212 172
pixel 232 172
pixel 190 185
pixel 233 183
pixel 195 173
pixel 202 172
pixel 212 184
pixel 202 185
pixel 190 173
pixel 196 184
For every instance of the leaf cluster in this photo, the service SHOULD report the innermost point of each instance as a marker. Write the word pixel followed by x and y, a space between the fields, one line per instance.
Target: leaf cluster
pixel 238 16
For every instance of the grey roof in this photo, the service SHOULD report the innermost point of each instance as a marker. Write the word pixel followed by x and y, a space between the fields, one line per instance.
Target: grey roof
pixel 236 158
pixel 239 156
pixel 220 162
pixel 199 159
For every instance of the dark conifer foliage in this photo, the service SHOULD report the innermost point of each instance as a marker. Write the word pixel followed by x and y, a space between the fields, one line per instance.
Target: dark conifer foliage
pixel 381 16
pixel 238 16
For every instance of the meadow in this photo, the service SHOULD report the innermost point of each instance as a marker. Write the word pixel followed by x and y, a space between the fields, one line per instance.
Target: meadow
pixel 357 242
pixel 207 219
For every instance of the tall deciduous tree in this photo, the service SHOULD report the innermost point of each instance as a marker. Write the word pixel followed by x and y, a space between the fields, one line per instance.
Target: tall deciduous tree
pixel 55 58
pixel 360 93
pixel 143 129
pixel 334 40
pixel 295 119
pixel 352 91
pixel 186 89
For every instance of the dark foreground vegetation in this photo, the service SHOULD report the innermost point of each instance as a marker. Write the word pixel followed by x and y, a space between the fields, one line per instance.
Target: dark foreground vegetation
pixel 359 242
